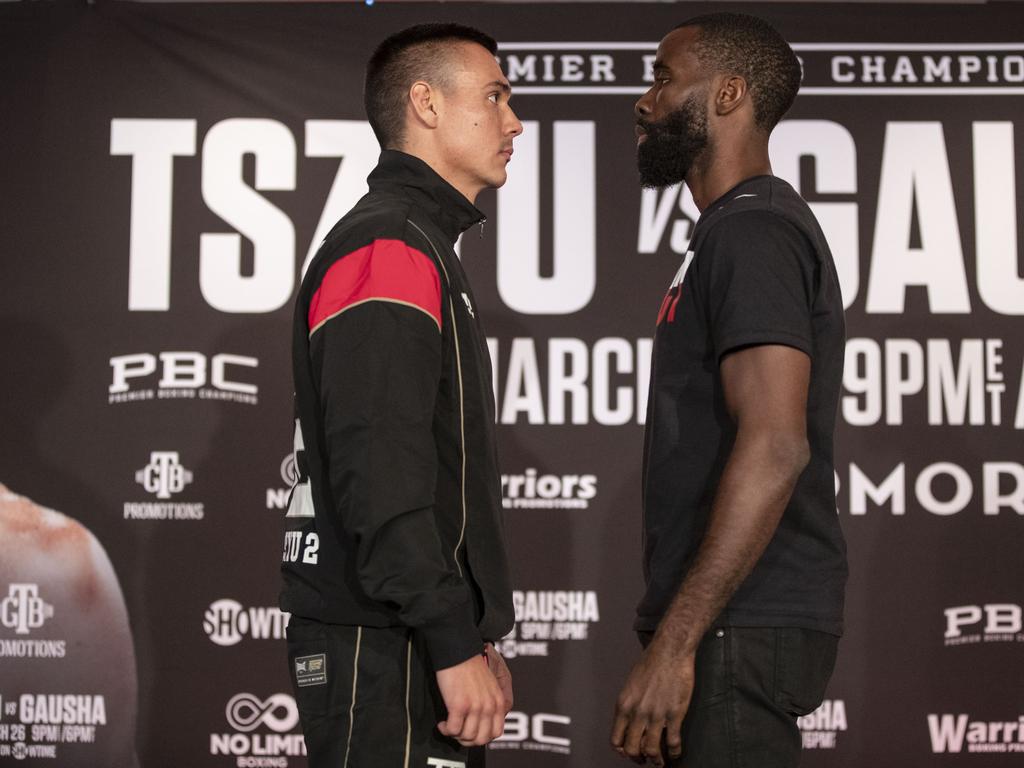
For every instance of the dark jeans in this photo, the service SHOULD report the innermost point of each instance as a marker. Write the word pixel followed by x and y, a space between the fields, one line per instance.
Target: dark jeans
pixel 751 685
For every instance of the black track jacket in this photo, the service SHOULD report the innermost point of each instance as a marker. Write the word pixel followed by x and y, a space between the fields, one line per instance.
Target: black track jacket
pixel 396 518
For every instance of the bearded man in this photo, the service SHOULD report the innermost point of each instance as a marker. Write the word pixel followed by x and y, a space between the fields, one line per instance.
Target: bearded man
pixel 744 560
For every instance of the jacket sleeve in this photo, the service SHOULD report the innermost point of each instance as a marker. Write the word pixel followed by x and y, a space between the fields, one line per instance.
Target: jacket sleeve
pixel 375 342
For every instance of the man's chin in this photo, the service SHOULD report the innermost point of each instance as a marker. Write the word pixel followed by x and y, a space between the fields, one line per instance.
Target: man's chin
pixel 657 172
pixel 656 183
pixel 497 179
pixel 656 178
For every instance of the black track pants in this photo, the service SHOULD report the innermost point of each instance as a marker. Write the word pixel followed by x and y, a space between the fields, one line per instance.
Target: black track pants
pixel 368 698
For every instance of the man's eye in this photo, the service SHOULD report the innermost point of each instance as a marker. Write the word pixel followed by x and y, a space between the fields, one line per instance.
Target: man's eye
pixel 493 97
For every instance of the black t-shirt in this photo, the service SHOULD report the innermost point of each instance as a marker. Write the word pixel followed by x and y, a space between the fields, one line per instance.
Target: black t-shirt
pixel 759 271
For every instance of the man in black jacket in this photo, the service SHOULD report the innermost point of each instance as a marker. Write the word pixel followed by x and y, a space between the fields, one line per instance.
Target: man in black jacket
pixel 394 562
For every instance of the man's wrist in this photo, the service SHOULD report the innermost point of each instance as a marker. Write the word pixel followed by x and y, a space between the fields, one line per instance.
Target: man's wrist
pixel 676 637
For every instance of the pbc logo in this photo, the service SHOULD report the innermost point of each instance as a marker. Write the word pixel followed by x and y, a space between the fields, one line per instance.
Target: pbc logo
pixel 182 376
pixel 226 622
pixel 164 475
pixel 541 732
pixel 1003 622
pixel 23 610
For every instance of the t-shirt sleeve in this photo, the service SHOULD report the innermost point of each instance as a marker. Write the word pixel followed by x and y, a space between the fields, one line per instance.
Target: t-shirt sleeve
pixel 759 283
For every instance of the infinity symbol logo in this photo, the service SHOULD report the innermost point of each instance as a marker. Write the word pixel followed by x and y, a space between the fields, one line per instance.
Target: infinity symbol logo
pixel 246 712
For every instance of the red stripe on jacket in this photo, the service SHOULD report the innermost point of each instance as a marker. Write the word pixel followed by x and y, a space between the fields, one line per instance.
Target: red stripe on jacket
pixel 385 270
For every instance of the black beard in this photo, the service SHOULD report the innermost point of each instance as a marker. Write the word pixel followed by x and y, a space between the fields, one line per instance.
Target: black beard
pixel 672 145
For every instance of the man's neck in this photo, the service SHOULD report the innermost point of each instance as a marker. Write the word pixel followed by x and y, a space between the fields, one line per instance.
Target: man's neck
pixel 724 169
pixel 431 158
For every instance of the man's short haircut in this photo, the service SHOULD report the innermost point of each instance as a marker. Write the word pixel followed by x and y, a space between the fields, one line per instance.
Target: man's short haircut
pixel 735 43
pixel 422 52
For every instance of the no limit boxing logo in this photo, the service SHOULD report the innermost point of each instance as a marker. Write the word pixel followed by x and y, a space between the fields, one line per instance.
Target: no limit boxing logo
pixel 276 715
pixel 289 470
pixel 277 498
pixel 246 712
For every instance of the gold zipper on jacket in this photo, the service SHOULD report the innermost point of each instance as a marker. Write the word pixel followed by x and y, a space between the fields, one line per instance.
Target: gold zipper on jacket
pixel 462 415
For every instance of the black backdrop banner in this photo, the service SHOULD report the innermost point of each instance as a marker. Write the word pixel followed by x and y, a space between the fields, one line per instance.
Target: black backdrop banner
pixel 168 169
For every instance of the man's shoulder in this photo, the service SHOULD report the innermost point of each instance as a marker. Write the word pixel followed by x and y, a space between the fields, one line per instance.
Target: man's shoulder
pixel 763 199
pixel 375 217
pixel 377 220
pixel 763 207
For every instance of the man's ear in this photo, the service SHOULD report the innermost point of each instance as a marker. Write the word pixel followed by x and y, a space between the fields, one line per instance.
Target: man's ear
pixel 731 93
pixel 425 103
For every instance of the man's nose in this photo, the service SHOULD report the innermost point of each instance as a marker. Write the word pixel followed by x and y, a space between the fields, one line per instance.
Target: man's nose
pixel 515 128
pixel 641 108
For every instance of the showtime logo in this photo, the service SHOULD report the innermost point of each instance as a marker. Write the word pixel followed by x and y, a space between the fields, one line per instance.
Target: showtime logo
pixel 182 376
pixel 275 717
pixel 532 491
pixel 226 622
pixel 821 727
pixel 957 733
pixel 990 623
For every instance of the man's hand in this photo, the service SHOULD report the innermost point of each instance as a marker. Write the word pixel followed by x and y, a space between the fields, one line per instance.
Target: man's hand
pixel 475 703
pixel 496 663
pixel 654 699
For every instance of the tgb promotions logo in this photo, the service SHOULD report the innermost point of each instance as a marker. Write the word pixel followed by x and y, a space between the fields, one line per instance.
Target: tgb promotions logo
pixel 539 732
pixel 163 477
pixel 23 609
pixel 262 731
pixel 543 617
pixel 955 733
pixel 227 622
pixel 533 491
pixel 989 623
pixel 820 729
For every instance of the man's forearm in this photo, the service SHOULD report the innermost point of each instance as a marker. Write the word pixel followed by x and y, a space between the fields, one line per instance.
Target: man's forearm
pixel 752 495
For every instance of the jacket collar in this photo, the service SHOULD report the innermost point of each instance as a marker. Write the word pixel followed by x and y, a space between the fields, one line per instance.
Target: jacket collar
pixel 445 205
